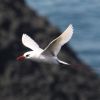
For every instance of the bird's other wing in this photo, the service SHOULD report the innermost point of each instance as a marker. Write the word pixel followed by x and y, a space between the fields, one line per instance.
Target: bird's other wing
pixel 30 43
pixel 54 47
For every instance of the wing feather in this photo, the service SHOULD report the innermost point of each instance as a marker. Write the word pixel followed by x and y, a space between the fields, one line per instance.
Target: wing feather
pixel 54 47
pixel 30 43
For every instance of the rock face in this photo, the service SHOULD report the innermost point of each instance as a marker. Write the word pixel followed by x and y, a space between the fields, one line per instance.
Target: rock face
pixel 34 81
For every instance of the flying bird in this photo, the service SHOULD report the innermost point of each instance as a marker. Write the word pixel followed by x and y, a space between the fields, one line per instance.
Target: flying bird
pixel 49 54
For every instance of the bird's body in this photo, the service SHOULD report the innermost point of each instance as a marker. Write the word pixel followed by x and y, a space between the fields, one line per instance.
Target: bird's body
pixel 49 54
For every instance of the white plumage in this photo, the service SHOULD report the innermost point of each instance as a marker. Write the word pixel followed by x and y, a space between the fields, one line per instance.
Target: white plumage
pixel 49 54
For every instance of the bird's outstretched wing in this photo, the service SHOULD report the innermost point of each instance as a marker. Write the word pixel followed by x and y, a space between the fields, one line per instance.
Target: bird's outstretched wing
pixel 54 47
pixel 30 43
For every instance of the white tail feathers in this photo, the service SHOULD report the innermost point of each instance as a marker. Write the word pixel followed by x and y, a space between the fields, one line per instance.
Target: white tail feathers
pixel 62 62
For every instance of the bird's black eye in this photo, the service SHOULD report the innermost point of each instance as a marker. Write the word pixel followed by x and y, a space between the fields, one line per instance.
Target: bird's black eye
pixel 27 55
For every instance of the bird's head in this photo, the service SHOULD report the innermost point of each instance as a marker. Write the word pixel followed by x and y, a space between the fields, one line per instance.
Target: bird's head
pixel 27 55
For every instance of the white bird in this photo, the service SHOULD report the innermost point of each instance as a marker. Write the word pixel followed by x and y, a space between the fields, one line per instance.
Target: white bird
pixel 49 54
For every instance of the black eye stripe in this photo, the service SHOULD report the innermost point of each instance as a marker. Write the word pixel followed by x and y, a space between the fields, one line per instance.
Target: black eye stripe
pixel 27 55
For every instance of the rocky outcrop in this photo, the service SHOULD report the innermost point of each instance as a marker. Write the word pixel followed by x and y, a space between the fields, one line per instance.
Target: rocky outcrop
pixel 38 81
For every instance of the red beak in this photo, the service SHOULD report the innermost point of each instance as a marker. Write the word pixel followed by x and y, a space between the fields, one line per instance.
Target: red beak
pixel 20 58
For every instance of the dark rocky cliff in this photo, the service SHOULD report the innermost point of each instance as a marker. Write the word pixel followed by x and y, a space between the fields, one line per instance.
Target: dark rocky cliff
pixel 37 81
